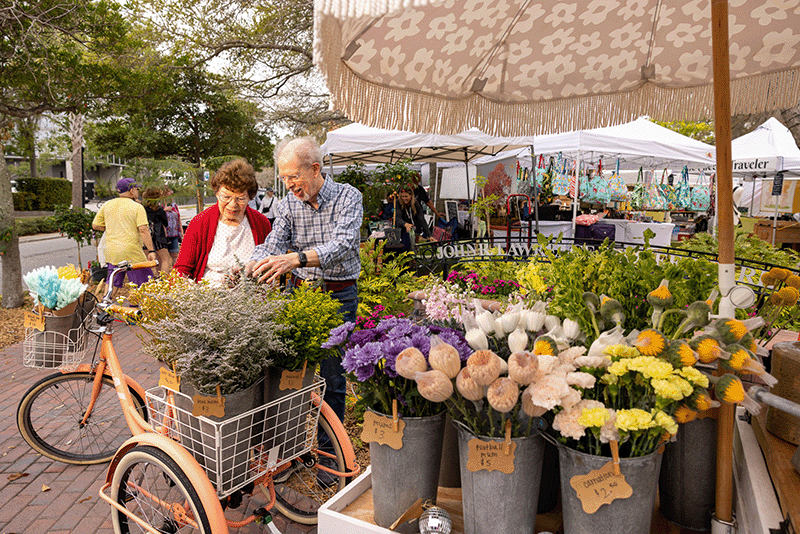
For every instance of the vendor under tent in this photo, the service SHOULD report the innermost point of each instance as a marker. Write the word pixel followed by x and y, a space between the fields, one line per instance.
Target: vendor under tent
pixel 356 143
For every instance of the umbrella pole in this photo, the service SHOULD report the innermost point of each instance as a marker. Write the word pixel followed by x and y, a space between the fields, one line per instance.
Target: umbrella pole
pixel 722 521
pixel 535 195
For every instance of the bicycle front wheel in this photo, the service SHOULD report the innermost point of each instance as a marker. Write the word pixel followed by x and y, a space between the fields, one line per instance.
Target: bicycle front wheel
pixel 50 418
pixel 300 493
pixel 154 489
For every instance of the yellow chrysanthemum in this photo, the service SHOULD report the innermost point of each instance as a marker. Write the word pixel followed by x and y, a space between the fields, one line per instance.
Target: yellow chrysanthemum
pixel 620 351
pixel 651 342
pixel 793 281
pixel 633 420
pixel 680 354
pixel 700 400
pixel 738 359
pixel 666 422
pixel 618 368
pixel 694 376
pixel 593 417
pixel 779 273
pixel 788 295
pixel 684 386
pixel 651 367
pixel 666 389
pixel 734 328
pixel 729 389
pixel 684 414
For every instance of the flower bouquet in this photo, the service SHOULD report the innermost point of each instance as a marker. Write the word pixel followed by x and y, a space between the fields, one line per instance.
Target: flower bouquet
pixel 56 290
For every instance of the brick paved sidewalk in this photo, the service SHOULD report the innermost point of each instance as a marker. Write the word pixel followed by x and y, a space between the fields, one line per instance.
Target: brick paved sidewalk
pixel 72 504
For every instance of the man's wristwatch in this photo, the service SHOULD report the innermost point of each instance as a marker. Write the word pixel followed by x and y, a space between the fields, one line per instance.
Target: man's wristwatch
pixel 302 257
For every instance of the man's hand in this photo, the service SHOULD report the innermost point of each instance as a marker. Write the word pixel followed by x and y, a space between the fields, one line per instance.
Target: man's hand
pixel 271 268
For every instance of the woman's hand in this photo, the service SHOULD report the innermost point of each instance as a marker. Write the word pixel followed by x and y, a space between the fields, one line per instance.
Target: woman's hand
pixel 409 227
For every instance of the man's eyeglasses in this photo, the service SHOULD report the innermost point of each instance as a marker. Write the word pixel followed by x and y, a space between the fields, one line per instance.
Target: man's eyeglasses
pixel 291 179
pixel 225 199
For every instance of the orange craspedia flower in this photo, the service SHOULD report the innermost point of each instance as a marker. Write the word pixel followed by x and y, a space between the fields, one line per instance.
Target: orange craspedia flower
pixel 774 298
pixel 684 414
pixel 767 279
pixel 707 348
pixel 788 295
pixel 651 342
pixel 779 274
pixel 793 281
pixel 729 389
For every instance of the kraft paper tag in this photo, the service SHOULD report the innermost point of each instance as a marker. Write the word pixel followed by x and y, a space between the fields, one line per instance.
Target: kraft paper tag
pixel 202 405
pixel 34 320
pixel 292 379
pixel 600 487
pixel 168 379
pixel 379 429
pixel 491 456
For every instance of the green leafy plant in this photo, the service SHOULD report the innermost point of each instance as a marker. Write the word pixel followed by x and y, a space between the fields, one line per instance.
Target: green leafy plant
pixel 309 314
pixel 396 176
pixel 385 280
pixel 746 246
pixel 75 223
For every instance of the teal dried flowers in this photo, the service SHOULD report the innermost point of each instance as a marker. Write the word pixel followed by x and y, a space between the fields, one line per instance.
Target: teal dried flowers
pixel 51 291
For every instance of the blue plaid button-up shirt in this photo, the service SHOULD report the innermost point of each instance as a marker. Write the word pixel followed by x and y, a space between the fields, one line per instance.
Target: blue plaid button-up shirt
pixel 333 231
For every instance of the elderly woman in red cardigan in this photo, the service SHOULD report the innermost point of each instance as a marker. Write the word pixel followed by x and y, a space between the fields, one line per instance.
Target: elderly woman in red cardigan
pixel 226 233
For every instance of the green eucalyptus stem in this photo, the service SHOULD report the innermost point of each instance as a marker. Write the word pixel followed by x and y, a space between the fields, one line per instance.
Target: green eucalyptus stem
pixel 775 329
pixel 595 325
pixel 654 318
pixel 490 412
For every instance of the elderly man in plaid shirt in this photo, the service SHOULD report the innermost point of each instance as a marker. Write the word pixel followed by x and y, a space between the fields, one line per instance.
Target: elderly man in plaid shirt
pixel 320 223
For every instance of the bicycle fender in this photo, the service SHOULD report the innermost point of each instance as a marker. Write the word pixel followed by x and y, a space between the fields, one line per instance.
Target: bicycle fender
pixel 202 485
pixel 341 434
pixel 132 384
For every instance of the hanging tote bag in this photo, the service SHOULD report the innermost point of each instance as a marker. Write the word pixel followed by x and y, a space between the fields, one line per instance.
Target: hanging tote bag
pixel 701 194
pixel 683 193
pixel 617 190
pixel 598 190
pixel 653 197
pixel 560 180
pixel 636 197
pixel 669 193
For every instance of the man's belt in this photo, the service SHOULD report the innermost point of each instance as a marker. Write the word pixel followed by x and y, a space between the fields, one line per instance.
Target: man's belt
pixel 327 285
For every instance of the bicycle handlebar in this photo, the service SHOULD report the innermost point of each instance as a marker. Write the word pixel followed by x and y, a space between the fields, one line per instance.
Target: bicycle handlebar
pixel 123 310
pixel 143 264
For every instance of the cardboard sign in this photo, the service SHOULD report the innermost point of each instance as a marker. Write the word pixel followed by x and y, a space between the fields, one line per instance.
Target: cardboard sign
pixel 208 406
pixel 379 429
pixel 600 487
pixel 292 379
pixel 168 379
pixel 34 320
pixel 491 456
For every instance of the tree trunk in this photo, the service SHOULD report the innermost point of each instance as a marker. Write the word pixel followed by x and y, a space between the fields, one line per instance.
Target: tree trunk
pixel 29 127
pixel 12 267
pixel 76 133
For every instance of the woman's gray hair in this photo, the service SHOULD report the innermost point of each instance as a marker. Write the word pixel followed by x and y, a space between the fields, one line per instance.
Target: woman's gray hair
pixel 305 149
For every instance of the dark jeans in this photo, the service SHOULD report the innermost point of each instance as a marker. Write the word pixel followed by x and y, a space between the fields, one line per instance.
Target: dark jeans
pixel 331 368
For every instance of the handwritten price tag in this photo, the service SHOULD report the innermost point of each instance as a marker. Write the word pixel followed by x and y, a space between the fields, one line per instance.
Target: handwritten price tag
pixel 34 320
pixel 490 456
pixel 292 379
pixel 168 379
pixel 600 487
pixel 208 406
pixel 378 429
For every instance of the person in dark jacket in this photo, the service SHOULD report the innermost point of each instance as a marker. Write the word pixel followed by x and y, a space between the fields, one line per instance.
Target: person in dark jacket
pixel 152 198
pixel 409 217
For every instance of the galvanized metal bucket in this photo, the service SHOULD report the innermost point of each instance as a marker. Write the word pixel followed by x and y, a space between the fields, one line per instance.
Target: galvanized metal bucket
pixel 688 475
pixel 622 516
pixel 494 501
pixel 401 476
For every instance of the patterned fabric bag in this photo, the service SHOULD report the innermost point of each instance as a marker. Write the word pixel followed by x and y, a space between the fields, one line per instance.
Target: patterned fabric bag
pixel 701 194
pixel 560 180
pixel 617 190
pixel 683 193
pixel 653 197
pixel 669 193
pixel 599 192
pixel 636 197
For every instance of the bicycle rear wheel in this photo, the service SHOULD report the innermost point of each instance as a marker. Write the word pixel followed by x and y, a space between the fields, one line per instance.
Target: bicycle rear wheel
pixel 152 487
pixel 50 413
pixel 307 487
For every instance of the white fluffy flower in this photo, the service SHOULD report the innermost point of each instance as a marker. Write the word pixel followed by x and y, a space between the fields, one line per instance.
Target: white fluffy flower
pixel 548 391
pixel 582 380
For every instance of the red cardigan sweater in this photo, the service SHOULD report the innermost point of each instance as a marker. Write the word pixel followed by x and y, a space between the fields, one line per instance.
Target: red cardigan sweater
pixel 199 238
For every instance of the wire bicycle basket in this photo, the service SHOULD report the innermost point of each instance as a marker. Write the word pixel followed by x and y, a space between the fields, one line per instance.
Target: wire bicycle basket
pixel 63 342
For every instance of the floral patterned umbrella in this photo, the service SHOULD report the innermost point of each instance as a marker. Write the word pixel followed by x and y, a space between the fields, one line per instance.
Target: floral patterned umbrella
pixel 529 67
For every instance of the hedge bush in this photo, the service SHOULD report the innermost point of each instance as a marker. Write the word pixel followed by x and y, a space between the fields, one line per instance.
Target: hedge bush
pixel 24 201
pixel 47 192
pixel 35 225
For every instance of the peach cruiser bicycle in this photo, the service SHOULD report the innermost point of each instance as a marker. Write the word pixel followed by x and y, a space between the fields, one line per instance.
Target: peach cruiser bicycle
pixel 174 471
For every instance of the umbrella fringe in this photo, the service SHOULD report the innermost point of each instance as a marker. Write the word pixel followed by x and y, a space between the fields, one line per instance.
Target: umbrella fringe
pixel 420 112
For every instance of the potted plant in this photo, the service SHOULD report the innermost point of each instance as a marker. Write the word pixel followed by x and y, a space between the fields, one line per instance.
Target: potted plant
pixel 404 424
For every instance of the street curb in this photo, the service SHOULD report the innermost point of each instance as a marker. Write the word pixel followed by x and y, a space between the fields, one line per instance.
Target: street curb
pixel 39 237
